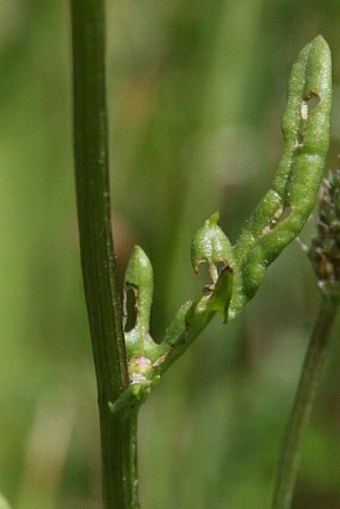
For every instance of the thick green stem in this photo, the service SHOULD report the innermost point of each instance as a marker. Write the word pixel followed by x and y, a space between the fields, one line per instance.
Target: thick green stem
pixel 118 433
pixel 309 380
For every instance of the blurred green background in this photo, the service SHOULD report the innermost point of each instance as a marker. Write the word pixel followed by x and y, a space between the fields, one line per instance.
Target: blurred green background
pixel 196 91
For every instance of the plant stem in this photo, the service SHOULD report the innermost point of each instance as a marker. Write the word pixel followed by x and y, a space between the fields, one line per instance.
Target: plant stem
pixel 305 395
pixel 118 433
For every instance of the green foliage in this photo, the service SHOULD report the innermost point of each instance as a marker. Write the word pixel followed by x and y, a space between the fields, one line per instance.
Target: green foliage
pixel 196 92
pixel 212 246
pixel 276 221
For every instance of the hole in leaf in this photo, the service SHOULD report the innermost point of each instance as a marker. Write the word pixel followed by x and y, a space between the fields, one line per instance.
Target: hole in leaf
pixel 280 216
pixel 285 214
pixel 310 101
pixel 300 140
pixel 130 308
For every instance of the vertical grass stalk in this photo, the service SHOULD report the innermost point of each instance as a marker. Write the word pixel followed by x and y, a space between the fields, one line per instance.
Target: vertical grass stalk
pixel 118 433
pixel 311 372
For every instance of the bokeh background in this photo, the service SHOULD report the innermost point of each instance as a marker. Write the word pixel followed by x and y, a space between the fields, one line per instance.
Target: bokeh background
pixel 196 90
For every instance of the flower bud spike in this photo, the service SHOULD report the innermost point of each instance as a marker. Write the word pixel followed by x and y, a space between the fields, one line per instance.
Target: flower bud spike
pixel 324 252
